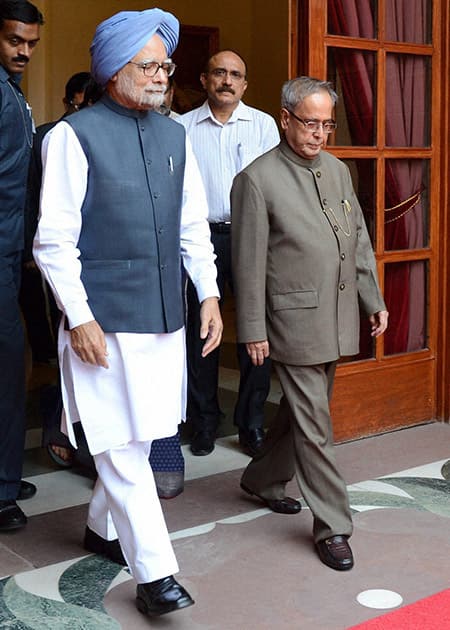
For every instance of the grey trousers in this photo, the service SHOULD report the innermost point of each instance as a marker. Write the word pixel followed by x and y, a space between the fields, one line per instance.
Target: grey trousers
pixel 300 442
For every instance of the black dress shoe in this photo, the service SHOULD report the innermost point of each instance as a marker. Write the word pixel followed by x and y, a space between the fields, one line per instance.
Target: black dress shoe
pixel 251 441
pixel 282 506
pixel 11 516
pixel 202 442
pixel 335 552
pixel 108 548
pixel 162 596
pixel 27 490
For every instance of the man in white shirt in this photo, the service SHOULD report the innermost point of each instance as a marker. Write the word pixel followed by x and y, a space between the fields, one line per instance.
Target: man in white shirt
pixel 226 135
pixel 122 209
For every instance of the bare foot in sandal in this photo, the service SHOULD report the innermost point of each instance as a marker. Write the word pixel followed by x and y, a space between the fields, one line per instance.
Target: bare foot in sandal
pixel 61 455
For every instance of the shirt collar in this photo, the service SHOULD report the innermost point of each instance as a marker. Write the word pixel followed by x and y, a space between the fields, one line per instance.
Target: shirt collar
pixel 5 76
pixel 242 112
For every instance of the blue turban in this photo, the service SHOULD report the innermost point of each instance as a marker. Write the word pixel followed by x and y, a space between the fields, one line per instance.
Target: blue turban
pixel 119 38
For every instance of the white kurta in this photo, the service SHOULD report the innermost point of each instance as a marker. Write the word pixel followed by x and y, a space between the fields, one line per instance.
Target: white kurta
pixel 142 396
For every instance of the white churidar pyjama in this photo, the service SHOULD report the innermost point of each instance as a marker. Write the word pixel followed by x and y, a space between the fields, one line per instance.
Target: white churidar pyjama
pixel 140 397
pixel 125 504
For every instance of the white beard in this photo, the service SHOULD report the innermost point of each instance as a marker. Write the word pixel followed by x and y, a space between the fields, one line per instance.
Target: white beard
pixel 142 98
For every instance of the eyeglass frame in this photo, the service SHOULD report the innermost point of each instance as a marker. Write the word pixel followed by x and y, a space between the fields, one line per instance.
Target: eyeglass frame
pixel 317 123
pixel 235 75
pixel 160 66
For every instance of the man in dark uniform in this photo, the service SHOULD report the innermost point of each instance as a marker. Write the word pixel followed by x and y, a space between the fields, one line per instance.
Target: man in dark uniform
pixel 19 35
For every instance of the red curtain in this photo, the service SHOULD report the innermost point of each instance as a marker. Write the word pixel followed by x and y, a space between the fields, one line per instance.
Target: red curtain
pixel 405 119
pixel 406 78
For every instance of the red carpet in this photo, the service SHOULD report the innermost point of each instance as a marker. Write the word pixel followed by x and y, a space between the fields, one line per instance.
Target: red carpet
pixel 431 613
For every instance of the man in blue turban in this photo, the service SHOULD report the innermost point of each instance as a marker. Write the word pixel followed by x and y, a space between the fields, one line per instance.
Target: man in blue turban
pixel 122 209
pixel 119 38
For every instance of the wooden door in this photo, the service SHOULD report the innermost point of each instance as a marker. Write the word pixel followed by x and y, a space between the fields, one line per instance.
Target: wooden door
pixel 390 75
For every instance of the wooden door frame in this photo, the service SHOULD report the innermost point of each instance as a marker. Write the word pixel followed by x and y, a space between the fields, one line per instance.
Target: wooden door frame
pixel 443 380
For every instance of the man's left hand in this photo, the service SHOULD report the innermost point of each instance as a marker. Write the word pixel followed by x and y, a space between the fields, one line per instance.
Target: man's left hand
pixel 258 351
pixel 379 322
pixel 211 325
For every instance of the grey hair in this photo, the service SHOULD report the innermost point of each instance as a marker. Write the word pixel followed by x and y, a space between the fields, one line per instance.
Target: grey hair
pixel 295 91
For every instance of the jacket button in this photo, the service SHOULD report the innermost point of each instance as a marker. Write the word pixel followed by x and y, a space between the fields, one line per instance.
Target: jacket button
pixel 319 174
pixel 325 202
pixel 342 256
pixel 342 286
pixel 335 228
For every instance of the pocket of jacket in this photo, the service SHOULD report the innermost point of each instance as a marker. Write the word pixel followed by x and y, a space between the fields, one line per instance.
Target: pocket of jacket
pixel 295 299
pixel 106 264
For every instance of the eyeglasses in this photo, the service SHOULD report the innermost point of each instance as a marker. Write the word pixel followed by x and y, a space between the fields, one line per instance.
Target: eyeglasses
pixel 234 74
pixel 328 126
pixel 150 68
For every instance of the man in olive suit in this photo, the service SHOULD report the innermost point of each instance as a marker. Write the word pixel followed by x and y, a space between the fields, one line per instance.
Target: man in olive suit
pixel 302 262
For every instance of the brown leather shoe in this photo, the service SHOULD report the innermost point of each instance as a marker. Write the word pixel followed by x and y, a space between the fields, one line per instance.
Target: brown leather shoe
pixel 335 552
pixel 282 506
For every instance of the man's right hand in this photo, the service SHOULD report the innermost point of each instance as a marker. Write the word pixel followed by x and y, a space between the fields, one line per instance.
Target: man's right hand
pixel 211 325
pixel 89 344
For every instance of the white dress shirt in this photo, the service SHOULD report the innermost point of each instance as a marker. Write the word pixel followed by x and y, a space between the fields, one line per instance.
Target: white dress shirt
pixel 224 149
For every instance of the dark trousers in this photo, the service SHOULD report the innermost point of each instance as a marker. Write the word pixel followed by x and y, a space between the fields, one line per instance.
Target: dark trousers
pixel 40 313
pixel 203 372
pixel 12 378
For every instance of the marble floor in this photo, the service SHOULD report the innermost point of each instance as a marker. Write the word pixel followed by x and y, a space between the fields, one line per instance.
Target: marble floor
pixel 246 567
